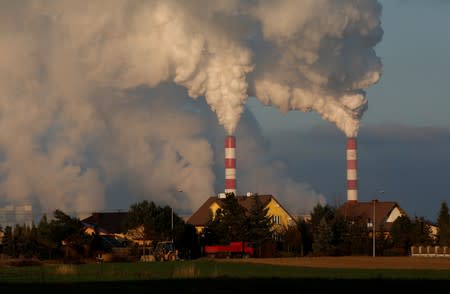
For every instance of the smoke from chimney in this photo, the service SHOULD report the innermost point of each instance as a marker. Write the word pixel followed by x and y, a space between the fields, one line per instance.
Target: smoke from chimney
pixel 78 94
pixel 230 164
pixel 352 175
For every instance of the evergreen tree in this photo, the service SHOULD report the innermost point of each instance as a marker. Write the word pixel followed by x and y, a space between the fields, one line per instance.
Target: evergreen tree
pixel 401 232
pixel 319 212
pixel 8 242
pixel 70 230
pixel 229 224
pixel 421 232
pixel 259 224
pixel 323 220
pixel 323 237
pixel 306 233
pixel 46 244
pixel 293 241
pixel 356 239
pixel 19 236
pixel 216 231
pixel 156 220
pixel 233 222
pixel 143 214
pixel 340 229
pixel 444 225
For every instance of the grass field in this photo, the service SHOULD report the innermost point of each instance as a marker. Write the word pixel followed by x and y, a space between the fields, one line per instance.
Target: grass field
pixel 278 275
pixel 363 262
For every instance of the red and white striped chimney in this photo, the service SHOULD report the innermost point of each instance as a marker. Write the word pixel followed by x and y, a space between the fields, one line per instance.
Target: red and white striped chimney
pixel 230 164
pixel 352 175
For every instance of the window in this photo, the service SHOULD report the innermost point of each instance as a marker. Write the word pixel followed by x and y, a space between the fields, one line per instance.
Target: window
pixel 369 223
pixel 276 219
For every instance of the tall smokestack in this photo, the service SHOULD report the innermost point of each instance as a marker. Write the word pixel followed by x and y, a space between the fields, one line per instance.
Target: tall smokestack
pixel 230 164
pixel 352 175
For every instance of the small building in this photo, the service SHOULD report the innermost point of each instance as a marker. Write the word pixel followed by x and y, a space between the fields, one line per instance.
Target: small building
pixel 16 214
pixel 281 218
pixel 109 227
pixel 105 223
pixel 379 213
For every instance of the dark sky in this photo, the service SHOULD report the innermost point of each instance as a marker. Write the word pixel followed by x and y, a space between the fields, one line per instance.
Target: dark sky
pixel 410 164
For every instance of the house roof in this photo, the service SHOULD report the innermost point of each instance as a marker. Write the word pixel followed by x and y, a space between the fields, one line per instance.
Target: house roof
pixel 203 214
pixel 365 211
pixel 111 222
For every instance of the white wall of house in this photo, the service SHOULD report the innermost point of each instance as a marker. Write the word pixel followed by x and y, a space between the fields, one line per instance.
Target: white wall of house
pixel 395 213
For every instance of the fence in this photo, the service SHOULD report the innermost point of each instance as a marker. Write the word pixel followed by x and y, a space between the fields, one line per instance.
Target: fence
pixel 430 251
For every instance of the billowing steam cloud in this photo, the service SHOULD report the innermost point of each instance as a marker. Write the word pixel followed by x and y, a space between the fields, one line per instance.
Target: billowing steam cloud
pixel 82 106
pixel 321 57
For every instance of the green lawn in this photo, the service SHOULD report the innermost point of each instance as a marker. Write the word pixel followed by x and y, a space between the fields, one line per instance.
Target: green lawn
pixel 190 276
pixel 197 269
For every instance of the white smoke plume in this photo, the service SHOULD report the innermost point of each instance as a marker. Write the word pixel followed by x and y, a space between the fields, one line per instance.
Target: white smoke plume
pixel 320 57
pixel 72 121
pixel 153 144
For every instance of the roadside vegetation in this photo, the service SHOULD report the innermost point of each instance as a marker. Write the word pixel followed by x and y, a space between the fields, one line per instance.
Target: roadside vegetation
pixel 62 238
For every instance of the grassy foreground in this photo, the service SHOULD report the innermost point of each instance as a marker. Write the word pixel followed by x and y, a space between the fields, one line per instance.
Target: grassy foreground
pixel 210 275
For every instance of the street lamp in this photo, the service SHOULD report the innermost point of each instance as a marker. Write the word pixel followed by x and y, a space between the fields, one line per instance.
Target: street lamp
pixel 374 201
pixel 171 225
pixel 171 219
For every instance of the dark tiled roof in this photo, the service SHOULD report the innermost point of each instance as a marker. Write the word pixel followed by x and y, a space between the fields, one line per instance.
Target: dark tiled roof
pixel 111 222
pixel 365 211
pixel 203 214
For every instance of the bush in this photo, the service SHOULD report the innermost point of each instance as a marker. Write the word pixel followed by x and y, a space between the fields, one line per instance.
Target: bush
pixel 24 262
pixel 396 251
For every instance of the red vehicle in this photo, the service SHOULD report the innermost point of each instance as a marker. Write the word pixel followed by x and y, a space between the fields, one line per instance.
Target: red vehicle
pixel 234 249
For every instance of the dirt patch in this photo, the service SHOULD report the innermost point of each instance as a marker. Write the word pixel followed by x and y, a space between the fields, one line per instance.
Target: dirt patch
pixel 355 262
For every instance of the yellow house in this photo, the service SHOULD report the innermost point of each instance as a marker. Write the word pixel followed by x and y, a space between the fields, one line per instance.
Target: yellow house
pixel 281 218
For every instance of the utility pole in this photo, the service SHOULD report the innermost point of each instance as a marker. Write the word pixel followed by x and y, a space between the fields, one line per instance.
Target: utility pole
pixel 171 225
pixel 373 229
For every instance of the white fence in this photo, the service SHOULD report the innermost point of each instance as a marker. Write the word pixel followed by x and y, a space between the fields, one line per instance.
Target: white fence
pixel 430 251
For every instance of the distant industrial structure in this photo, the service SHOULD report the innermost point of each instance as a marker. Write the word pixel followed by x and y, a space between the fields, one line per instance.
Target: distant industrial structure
pixel 230 164
pixel 352 170
pixel 379 215
pixel 16 214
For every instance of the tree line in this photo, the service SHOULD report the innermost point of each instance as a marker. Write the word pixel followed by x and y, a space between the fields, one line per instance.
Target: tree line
pixel 326 233
pixel 65 237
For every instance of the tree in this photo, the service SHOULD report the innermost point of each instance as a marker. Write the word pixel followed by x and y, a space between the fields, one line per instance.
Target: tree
pixel 258 223
pixel 444 225
pixel 401 232
pixel 306 233
pixel 421 232
pixel 325 228
pixel 143 214
pixel 229 223
pixel 319 212
pixel 7 241
pixel 354 237
pixel 70 230
pixel 293 240
pixel 46 244
pixel 156 220
pixel 322 239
